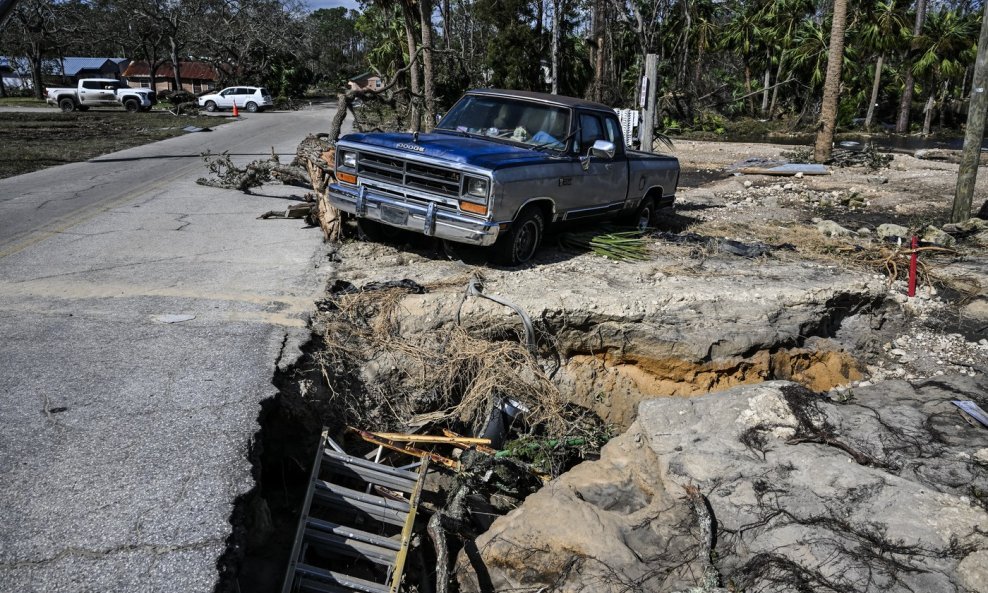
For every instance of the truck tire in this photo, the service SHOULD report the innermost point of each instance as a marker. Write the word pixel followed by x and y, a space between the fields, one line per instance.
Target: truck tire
pixel 66 104
pixel 251 107
pixel 644 216
pixel 519 244
pixel 131 105
pixel 210 106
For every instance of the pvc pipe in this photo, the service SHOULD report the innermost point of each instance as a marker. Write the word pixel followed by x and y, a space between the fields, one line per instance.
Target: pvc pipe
pixel 913 260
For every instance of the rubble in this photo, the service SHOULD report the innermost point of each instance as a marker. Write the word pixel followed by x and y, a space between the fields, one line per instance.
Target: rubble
pixel 882 492
pixel 774 422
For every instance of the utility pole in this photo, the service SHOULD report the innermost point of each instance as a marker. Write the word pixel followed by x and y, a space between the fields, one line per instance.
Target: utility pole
pixel 967 173
pixel 647 101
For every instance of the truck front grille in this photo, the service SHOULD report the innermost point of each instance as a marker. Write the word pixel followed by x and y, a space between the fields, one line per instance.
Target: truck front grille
pixel 409 174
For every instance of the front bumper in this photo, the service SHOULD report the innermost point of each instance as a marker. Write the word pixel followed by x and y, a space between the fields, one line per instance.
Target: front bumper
pixel 429 219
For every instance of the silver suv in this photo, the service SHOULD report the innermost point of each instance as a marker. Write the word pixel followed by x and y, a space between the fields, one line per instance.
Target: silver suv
pixel 248 98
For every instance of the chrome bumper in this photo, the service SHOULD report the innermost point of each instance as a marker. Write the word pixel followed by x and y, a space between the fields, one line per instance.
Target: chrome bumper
pixel 430 219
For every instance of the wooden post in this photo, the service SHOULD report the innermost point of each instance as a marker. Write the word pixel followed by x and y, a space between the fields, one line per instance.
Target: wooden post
pixel 967 173
pixel 648 105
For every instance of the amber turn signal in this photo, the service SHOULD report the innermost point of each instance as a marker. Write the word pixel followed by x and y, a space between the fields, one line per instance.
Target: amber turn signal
pixel 347 178
pixel 474 208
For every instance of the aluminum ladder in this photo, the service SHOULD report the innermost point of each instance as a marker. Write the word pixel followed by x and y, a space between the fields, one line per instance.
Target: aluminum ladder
pixel 355 526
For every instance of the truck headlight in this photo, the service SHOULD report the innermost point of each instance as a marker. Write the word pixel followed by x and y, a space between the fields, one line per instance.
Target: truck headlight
pixel 349 159
pixel 477 187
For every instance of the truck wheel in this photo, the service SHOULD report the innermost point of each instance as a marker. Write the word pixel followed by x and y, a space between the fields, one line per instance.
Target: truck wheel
pixel 210 106
pixel 644 216
pixel 67 105
pixel 519 244
pixel 251 107
pixel 131 105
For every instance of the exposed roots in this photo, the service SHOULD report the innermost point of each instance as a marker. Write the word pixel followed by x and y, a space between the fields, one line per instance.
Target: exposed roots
pixel 444 375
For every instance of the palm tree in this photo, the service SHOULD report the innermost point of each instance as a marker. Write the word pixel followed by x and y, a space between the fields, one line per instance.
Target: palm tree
pixel 831 85
pixel 948 47
pixel 786 17
pixel 743 35
pixel 882 31
pixel 902 126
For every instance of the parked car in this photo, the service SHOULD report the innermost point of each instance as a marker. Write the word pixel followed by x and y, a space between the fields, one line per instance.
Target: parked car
pixel 248 98
pixel 100 92
pixel 500 168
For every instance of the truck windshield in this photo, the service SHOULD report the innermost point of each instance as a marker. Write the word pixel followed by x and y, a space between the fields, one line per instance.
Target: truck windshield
pixel 522 122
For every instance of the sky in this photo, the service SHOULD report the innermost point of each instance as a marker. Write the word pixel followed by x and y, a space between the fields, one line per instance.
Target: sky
pixel 317 4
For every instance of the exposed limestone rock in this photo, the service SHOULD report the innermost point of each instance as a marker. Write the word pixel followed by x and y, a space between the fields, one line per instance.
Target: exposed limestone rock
pixel 892 231
pixel 832 229
pixel 935 236
pixel 885 493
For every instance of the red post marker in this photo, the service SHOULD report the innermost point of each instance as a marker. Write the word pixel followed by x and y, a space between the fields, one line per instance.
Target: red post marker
pixel 913 260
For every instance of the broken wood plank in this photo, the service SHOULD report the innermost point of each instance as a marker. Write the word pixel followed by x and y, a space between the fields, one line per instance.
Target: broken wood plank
pixel 427 438
pixel 407 449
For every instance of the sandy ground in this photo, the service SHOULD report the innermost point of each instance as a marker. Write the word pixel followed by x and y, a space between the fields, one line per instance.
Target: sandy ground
pixel 928 335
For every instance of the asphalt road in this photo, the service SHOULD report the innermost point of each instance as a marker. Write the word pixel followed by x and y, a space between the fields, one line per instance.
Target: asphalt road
pixel 124 429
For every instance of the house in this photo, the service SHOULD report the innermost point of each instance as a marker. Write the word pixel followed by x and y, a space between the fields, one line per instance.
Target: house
pixel 74 68
pixel 368 81
pixel 196 76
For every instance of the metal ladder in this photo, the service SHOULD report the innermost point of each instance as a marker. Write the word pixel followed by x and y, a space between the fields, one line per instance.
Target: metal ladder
pixel 350 539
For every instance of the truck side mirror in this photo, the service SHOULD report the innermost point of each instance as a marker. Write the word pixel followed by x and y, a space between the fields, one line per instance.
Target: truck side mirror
pixel 601 149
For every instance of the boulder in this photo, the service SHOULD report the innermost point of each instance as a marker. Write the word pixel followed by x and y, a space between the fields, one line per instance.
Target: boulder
pixel 962 229
pixel 832 229
pixel 892 231
pixel 935 236
pixel 793 491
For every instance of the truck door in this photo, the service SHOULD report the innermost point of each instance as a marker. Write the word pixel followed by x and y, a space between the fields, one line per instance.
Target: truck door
pixel 603 187
pixel 108 94
pixel 91 93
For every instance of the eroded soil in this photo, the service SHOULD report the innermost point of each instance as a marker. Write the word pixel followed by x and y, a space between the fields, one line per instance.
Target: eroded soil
pixel 399 343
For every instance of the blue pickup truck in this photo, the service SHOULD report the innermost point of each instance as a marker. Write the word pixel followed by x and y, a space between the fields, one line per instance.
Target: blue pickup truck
pixel 498 169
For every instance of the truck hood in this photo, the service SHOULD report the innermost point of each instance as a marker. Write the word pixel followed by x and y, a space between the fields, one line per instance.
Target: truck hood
pixel 476 152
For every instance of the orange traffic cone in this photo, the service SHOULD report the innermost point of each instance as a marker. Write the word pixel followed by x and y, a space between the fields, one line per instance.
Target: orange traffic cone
pixel 236 112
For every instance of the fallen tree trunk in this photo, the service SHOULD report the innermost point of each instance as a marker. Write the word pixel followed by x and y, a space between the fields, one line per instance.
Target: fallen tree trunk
pixel 317 155
pixel 945 155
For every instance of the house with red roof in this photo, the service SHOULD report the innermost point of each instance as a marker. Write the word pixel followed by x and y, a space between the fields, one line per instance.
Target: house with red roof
pixel 196 77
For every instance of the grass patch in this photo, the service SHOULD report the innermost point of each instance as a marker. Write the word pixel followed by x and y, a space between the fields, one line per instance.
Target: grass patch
pixel 22 102
pixel 33 141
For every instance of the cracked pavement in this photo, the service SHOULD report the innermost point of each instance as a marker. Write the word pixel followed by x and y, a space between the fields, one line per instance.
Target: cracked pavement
pixel 125 438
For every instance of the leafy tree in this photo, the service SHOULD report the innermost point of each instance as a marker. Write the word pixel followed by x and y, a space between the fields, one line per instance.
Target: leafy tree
pixel 948 47
pixel 334 48
pixel 511 59
pixel 882 30
pixel 905 104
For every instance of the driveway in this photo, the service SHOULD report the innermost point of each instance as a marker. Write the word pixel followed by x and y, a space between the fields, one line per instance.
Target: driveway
pixel 142 318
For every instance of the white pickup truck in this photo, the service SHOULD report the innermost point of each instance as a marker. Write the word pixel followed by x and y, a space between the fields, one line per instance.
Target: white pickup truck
pixel 101 92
